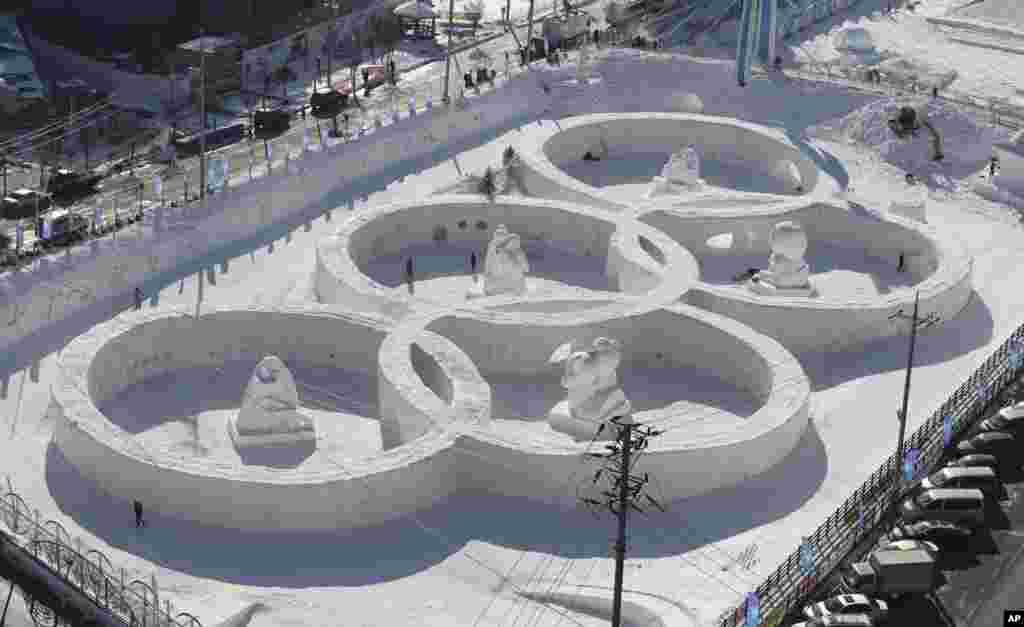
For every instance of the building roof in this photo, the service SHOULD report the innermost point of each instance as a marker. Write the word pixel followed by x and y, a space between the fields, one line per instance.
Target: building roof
pixel 208 43
pixel 416 10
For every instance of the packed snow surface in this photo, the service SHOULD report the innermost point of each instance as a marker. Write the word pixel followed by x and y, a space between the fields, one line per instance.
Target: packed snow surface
pixel 461 562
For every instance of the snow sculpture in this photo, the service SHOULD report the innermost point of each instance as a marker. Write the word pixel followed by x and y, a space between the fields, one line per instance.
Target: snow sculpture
pixel 912 204
pixel 788 274
pixel 685 102
pixel 680 174
pixel 505 265
pixel 787 172
pixel 269 413
pixel 594 395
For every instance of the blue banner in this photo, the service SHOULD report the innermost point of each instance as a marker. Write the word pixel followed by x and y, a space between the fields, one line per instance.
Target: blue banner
pixel 753 610
pixel 807 555
pixel 910 463
pixel 947 430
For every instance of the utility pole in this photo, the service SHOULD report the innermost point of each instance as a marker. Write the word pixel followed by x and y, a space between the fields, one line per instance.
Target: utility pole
pixel 448 57
pixel 202 108
pixel 631 438
pixel 529 35
pixel 916 322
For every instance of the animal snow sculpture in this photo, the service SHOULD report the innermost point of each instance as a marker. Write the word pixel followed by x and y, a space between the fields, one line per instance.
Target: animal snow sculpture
pixel 594 395
pixel 788 274
pixel 270 409
pixel 505 265
pixel 680 174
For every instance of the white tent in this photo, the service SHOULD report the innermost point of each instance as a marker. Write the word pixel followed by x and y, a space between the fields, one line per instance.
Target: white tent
pixel 856 40
pixel 415 10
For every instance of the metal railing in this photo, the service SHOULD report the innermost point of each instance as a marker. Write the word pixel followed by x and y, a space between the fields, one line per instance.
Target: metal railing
pixel 134 601
pixel 999 111
pixel 863 510
pixel 253 159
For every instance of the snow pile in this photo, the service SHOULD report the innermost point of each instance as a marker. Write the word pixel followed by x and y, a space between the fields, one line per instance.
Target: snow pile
pixel 856 47
pixel 1003 12
pixel 908 72
pixel 966 144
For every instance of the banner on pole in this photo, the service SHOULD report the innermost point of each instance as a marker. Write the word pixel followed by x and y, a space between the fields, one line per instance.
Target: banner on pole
pixel 910 464
pixel 158 186
pixel 753 610
pixel 807 557
pixel 947 430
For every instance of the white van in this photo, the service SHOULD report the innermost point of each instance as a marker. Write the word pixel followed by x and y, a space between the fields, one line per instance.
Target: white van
pixel 977 477
pixel 952 505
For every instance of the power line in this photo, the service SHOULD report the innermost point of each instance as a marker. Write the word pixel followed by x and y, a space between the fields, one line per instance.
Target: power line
pixel 55 125
pixel 465 551
pixel 522 554
pixel 630 488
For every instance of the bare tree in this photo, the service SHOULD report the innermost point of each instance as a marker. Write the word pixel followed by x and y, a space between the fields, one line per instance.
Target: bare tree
pixel 474 10
pixel 612 12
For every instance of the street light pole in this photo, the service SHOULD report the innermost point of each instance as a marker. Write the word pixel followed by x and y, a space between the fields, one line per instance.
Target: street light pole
pixel 448 57
pixel 916 322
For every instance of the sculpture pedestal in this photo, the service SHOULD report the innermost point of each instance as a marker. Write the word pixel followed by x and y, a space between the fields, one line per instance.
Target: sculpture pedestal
pixel 560 419
pixel 294 428
pixel 477 290
pixel 661 186
pixel 766 288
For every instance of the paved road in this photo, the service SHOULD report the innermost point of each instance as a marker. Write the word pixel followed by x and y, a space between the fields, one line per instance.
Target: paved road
pixel 982 576
pixel 421 81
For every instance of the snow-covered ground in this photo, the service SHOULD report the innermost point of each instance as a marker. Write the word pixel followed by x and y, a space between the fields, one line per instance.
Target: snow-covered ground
pixel 459 563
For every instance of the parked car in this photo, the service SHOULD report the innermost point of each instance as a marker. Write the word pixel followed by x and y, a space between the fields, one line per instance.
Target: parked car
pixel 848 604
pixel 973 460
pixel 22 203
pixel 958 506
pixel 993 442
pixel 1009 418
pixel 908 545
pixel 981 477
pixel 68 186
pixel 839 620
pixel 937 532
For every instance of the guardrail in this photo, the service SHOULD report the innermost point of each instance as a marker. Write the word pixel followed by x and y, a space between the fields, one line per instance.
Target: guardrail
pixel 863 510
pixel 134 601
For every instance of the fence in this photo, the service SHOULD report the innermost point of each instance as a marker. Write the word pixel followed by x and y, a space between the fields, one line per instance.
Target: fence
pixel 179 188
pixel 857 517
pixel 998 109
pixel 135 602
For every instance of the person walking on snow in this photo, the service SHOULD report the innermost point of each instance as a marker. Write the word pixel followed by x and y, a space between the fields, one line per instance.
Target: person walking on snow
pixel 137 506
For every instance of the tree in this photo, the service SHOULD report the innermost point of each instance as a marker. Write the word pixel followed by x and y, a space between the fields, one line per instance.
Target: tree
pixel 488 184
pixel 612 12
pixel 86 137
pixel 284 75
pixel 474 10
pixel 389 33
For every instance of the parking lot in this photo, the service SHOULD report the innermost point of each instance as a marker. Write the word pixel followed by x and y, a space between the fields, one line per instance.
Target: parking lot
pixel 981 575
